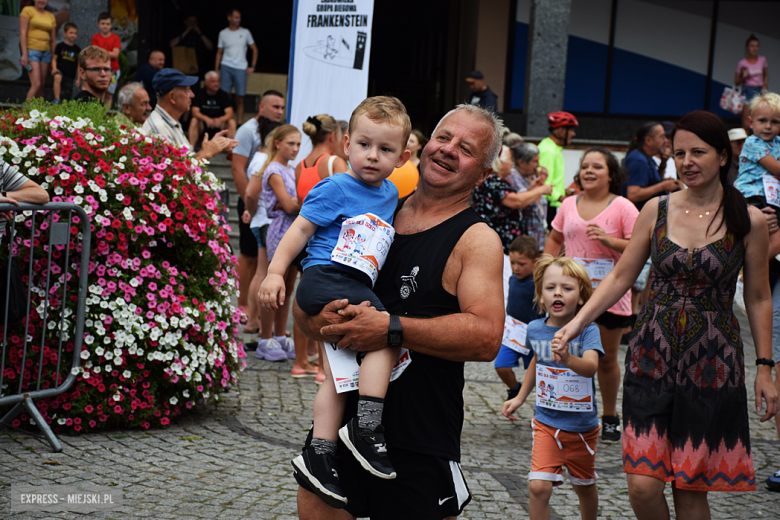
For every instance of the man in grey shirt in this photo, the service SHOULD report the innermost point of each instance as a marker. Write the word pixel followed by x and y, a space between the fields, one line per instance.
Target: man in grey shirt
pixel 248 137
pixel 16 188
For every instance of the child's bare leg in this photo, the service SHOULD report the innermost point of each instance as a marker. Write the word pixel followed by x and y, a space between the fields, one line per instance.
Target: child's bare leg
pixel 540 492
pixel 328 407
pixel 507 375
pixel 57 85
pixel 589 501
pixel 375 371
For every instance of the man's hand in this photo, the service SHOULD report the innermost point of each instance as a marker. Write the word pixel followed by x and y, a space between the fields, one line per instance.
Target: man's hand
pixel 219 143
pixel 771 219
pixel 312 326
pixel 366 330
pixel 672 185
pixel 8 215
pixel 271 293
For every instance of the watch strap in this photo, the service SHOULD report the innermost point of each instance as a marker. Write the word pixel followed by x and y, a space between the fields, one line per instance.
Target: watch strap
pixel 764 361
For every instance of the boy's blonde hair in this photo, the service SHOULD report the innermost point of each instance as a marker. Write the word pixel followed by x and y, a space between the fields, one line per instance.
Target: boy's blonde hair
pixel 93 52
pixel 384 109
pixel 570 267
pixel 769 99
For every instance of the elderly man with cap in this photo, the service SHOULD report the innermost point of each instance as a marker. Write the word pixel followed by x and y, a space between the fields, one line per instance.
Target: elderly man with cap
pixel 133 101
pixel 174 96
pixel 482 95
pixel 737 137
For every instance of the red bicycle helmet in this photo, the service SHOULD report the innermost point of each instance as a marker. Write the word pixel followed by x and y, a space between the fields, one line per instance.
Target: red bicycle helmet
pixel 559 119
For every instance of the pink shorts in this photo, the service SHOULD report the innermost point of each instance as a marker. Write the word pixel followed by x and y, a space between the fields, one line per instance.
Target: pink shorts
pixel 554 448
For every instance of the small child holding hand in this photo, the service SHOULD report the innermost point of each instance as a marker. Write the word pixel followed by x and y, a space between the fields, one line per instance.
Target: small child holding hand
pixel 565 430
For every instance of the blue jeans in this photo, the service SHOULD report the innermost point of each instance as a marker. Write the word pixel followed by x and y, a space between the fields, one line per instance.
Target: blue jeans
pixel 750 92
pixel 230 77
pixel 42 56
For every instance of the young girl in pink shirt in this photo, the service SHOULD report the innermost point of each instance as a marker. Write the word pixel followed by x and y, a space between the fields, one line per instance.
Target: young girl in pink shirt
pixel 753 74
pixel 595 226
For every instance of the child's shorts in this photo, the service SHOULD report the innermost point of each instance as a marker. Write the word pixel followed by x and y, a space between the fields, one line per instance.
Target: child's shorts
pixel 321 284
pixel 508 358
pixel 554 448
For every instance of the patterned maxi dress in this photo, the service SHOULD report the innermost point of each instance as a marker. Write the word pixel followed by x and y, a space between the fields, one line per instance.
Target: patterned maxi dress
pixel 684 402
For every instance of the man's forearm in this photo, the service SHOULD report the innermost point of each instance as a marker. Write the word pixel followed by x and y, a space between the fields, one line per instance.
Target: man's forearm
pixel 33 194
pixel 455 337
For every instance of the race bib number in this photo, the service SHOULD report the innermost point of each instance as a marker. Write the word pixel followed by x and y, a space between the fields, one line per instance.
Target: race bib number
pixel 772 190
pixel 597 268
pixel 514 335
pixel 345 369
pixel 363 244
pixel 562 389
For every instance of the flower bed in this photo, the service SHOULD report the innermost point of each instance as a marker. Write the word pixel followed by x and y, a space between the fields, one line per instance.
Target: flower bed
pixel 160 328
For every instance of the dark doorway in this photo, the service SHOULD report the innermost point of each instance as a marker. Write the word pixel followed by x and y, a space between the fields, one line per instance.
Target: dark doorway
pixel 413 52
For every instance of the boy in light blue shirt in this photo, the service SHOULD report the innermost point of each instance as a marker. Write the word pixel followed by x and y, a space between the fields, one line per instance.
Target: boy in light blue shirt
pixel 337 266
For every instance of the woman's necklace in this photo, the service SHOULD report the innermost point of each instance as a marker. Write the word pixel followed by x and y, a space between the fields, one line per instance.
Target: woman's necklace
pixel 702 215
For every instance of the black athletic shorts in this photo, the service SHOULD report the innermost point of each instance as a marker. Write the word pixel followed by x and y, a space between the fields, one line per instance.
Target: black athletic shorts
pixel 246 239
pixel 615 321
pixel 426 488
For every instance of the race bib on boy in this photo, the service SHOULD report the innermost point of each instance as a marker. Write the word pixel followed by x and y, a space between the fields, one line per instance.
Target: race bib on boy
pixel 772 190
pixel 597 268
pixel 514 335
pixel 363 244
pixel 562 389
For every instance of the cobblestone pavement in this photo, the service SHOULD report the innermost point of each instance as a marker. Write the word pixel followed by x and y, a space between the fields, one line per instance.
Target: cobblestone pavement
pixel 232 459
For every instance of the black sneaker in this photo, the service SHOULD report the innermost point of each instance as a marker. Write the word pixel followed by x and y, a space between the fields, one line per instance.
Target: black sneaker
pixel 320 475
pixel 369 448
pixel 773 482
pixel 512 392
pixel 610 429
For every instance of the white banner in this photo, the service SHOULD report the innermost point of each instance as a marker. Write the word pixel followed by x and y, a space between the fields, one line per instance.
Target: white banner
pixel 331 43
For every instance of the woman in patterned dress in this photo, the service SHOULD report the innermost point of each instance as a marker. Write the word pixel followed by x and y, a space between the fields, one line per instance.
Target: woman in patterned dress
pixel 684 401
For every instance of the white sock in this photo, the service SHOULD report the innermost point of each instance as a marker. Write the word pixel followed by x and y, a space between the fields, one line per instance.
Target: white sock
pixel 280 339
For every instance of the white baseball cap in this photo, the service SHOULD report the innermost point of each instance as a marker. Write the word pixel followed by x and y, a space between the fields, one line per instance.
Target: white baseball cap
pixel 737 134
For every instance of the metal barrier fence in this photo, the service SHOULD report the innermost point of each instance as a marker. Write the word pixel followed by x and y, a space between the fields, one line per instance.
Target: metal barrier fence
pixel 60 238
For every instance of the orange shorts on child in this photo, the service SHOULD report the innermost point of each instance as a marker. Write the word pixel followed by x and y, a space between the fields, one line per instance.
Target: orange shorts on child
pixel 554 448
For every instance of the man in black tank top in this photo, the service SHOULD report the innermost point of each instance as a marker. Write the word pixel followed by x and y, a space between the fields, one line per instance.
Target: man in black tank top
pixel 442 285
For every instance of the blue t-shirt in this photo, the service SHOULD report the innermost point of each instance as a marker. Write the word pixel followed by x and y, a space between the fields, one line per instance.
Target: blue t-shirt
pixel 335 199
pixel 539 338
pixel 641 172
pixel 520 303
pixel 751 174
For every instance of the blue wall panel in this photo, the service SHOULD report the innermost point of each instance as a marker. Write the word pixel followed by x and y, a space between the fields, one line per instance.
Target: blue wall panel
pixel 519 59
pixel 586 75
pixel 642 85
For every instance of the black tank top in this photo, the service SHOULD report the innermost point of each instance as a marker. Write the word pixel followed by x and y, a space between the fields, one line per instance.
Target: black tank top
pixel 424 407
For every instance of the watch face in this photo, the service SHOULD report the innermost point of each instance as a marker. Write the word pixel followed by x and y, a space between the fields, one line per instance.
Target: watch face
pixel 395 338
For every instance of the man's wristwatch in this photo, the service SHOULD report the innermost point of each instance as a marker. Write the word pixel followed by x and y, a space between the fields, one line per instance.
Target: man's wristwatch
pixel 395 333
pixel 760 361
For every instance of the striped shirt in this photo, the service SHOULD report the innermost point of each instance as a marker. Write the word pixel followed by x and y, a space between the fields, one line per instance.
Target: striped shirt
pixel 10 180
pixel 161 124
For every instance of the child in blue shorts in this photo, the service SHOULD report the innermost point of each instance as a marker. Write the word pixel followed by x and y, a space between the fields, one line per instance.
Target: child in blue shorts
pixel 338 265
pixel 523 255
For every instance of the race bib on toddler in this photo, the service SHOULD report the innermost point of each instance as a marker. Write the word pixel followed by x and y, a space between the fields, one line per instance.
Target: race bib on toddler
pixel 363 244
pixel 772 190
pixel 563 389
pixel 514 335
